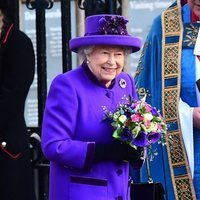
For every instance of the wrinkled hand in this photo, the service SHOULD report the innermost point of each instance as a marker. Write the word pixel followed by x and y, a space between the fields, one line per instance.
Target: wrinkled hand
pixel 196 117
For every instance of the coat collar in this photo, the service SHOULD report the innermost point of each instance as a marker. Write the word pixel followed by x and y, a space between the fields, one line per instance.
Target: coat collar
pixel 6 34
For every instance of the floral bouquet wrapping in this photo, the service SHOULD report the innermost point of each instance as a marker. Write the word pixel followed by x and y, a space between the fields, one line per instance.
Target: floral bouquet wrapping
pixel 137 123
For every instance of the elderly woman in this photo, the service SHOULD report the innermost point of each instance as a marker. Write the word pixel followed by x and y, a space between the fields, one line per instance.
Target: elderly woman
pixel 85 161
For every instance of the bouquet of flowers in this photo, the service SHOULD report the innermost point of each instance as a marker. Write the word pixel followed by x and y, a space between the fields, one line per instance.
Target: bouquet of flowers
pixel 137 123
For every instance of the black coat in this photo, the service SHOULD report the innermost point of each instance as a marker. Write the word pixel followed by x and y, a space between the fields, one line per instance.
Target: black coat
pixel 16 75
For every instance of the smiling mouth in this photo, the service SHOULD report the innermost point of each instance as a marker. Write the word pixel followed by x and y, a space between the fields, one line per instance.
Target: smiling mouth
pixel 110 70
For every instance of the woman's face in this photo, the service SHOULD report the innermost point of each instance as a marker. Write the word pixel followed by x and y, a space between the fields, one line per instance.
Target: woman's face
pixel 106 62
pixel 195 6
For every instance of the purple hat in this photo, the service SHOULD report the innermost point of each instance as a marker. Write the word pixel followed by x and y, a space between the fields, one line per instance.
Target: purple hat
pixel 106 29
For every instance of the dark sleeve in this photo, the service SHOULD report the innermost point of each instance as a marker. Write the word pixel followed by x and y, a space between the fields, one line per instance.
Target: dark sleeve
pixel 17 73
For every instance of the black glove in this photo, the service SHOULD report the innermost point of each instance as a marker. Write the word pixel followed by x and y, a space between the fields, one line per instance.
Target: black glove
pixel 117 151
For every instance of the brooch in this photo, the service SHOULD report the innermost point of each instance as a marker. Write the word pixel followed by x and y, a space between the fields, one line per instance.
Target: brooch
pixel 122 83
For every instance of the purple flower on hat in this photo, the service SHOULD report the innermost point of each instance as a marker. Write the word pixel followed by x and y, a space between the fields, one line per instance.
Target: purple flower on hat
pixel 113 25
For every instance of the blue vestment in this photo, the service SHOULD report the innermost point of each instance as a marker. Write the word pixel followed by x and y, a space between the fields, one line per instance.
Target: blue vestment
pixel 149 81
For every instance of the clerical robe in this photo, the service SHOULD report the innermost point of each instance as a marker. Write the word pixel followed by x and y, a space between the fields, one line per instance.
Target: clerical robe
pixel 167 73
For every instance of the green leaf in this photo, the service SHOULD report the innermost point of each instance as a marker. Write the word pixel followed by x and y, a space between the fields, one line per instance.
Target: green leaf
pixel 116 134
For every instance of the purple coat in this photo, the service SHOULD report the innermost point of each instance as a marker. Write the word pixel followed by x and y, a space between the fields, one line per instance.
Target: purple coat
pixel 72 124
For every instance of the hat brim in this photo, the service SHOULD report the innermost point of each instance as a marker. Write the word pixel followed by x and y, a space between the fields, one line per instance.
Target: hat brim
pixel 119 40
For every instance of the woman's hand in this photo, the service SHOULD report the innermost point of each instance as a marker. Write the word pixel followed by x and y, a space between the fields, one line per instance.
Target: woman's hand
pixel 196 117
pixel 118 151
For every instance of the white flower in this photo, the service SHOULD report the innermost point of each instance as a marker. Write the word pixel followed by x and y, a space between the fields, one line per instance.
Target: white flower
pixel 143 127
pixel 147 116
pixel 115 116
pixel 136 130
pixel 122 118
pixel 153 127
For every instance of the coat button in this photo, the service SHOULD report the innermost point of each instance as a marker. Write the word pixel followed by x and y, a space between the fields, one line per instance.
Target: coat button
pixel 118 198
pixel 3 144
pixel 109 94
pixel 119 172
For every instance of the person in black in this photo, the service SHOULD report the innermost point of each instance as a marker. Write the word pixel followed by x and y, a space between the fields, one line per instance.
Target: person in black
pixel 17 67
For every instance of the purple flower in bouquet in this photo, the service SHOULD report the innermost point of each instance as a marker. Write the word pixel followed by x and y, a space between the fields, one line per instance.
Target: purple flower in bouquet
pixel 137 123
pixel 154 111
pixel 126 134
pixel 153 137
pixel 140 140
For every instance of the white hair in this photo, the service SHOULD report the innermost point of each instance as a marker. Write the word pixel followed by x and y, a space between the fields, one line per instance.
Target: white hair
pixel 85 51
